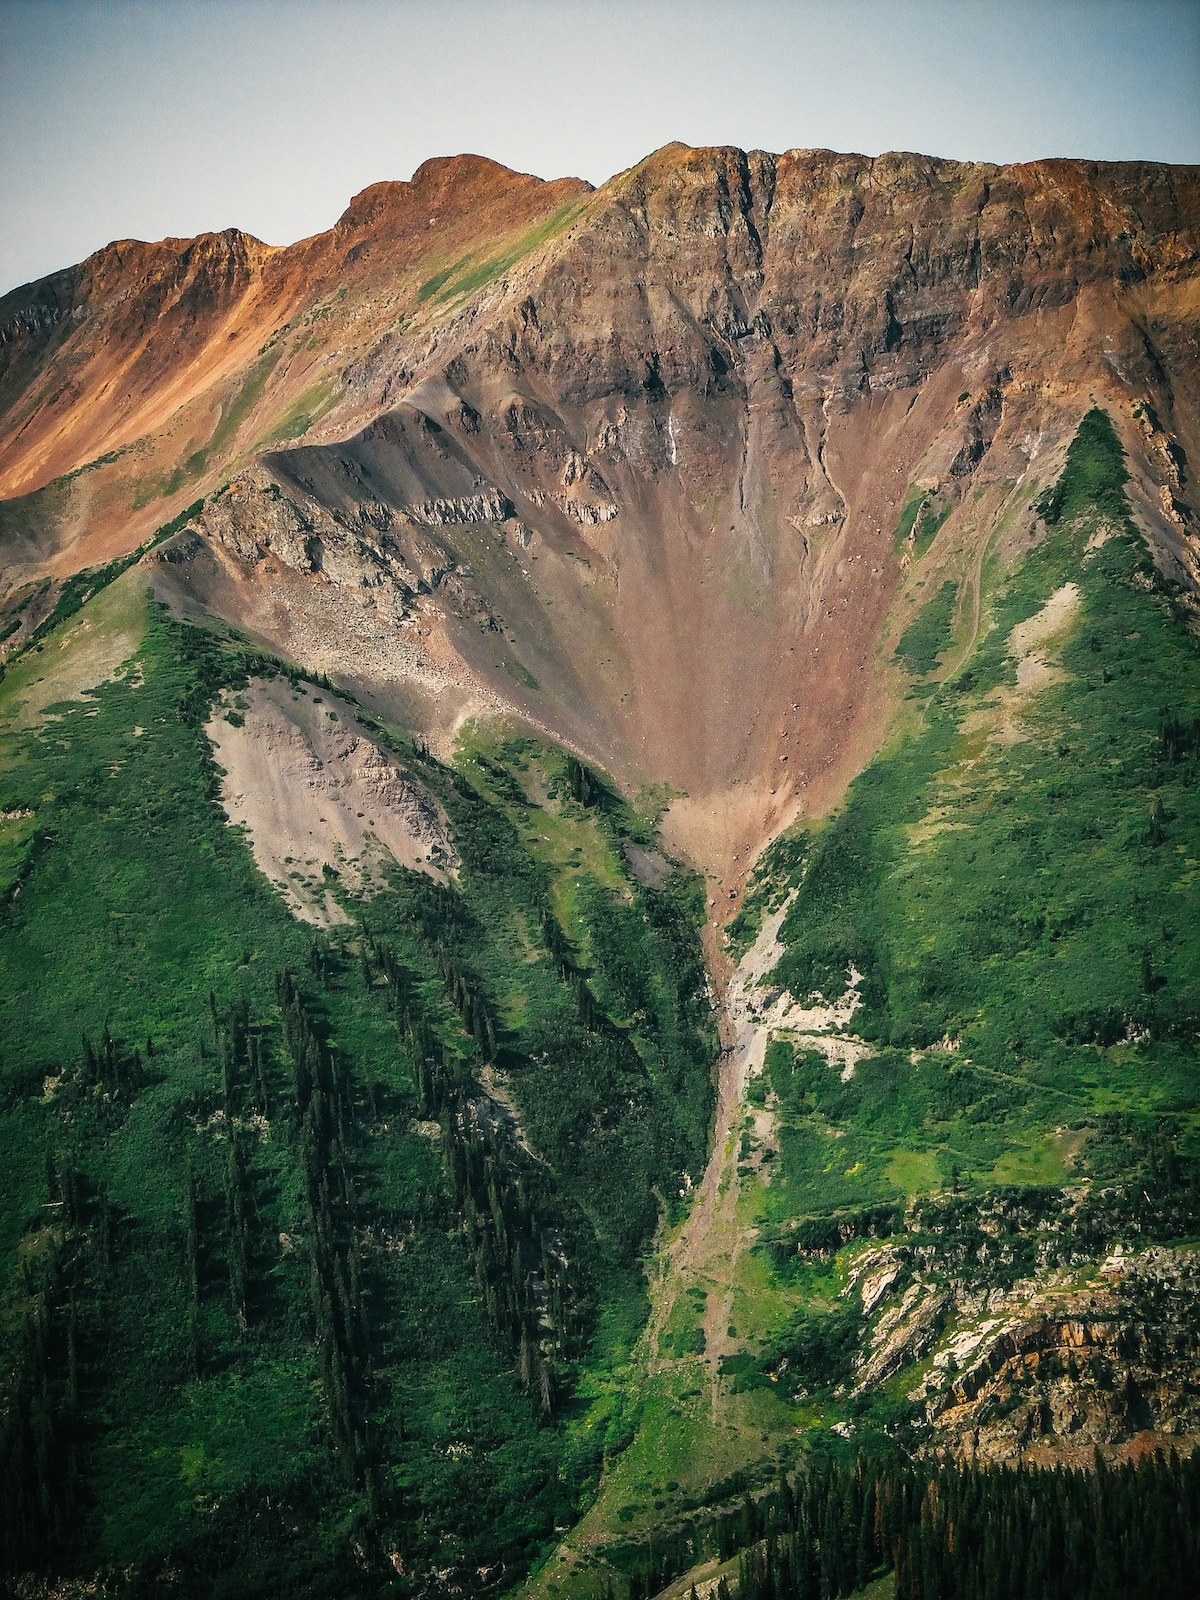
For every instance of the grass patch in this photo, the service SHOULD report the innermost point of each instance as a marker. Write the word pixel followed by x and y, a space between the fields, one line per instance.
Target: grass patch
pixel 461 279
pixel 928 525
pixel 234 411
pixel 924 640
pixel 522 674
pixel 82 586
pixel 432 284
pixel 909 511
pixel 1023 899
pixel 301 415
pixel 912 1171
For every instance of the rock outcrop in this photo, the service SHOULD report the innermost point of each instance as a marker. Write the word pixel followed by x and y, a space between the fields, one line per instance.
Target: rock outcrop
pixel 1094 1350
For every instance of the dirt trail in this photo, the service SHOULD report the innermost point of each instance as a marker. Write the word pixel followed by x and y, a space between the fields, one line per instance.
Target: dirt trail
pixel 705 1252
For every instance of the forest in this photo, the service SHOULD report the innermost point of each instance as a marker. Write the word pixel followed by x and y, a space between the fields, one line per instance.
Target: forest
pixel 288 1298
pixel 950 1533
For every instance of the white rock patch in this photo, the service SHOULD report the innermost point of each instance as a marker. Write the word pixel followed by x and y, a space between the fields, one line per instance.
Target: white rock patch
pixel 313 790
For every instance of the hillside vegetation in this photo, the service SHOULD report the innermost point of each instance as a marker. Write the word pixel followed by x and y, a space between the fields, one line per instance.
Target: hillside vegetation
pixel 460 1233
pixel 972 1207
pixel 1017 881
pixel 290 1298
pixel 1012 892
pixel 322 1250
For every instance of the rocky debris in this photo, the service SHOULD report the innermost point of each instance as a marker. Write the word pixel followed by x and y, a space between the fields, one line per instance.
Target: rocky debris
pixel 32 321
pixel 1022 1324
pixel 374 514
pixel 874 1274
pixel 978 428
pixel 179 550
pixel 256 521
pixel 322 803
pixel 1069 1370
pixel 585 512
pixel 1168 451
pixel 902 1334
pixel 647 866
pixel 385 559
pixel 1169 460
pixel 1171 508
pixel 820 1026
pixel 962 1346
pixel 490 506
pixel 586 498
pixel 252 518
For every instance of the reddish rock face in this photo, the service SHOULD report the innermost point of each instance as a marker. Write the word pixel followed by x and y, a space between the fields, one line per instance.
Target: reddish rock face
pixel 629 463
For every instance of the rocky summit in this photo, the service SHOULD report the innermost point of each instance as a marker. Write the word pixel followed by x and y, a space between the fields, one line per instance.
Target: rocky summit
pixel 599 835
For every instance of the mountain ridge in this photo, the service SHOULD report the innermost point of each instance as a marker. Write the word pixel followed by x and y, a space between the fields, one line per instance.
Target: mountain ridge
pixel 761 322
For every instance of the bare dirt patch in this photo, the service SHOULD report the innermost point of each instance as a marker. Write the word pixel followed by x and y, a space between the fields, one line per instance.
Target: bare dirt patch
pixel 1033 644
pixel 1031 641
pixel 320 800
pixel 647 866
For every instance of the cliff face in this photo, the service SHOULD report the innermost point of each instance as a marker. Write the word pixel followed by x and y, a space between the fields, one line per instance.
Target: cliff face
pixel 642 453
pixel 1046 1369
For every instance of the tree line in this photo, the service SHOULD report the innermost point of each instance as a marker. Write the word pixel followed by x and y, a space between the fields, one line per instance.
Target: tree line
pixel 322 1119
pixel 950 1532
pixel 42 1442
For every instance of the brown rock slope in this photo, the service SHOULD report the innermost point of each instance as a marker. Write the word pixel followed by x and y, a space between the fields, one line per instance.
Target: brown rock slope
pixel 630 462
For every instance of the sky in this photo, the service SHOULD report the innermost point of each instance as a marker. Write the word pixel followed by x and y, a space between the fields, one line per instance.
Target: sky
pixel 149 118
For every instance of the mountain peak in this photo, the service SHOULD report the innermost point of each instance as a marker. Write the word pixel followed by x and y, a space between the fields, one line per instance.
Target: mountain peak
pixel 458 182
pixel 756 487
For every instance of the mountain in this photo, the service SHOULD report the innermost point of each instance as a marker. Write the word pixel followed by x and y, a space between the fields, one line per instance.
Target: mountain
pixel 608 777
pixel 703 390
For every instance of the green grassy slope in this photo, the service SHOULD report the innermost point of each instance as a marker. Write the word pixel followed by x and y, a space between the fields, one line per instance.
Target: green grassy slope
pixel 1018 878
pixel 1014 884
pixel 286 1305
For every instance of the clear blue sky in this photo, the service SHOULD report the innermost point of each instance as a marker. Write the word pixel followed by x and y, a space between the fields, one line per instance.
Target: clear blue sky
pixel 142 118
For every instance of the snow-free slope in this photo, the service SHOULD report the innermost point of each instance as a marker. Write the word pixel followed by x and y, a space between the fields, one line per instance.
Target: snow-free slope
pixel 841 506
pixel 658 466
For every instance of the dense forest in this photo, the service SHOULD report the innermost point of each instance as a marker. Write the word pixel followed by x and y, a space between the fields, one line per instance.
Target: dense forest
pixel 950 1533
